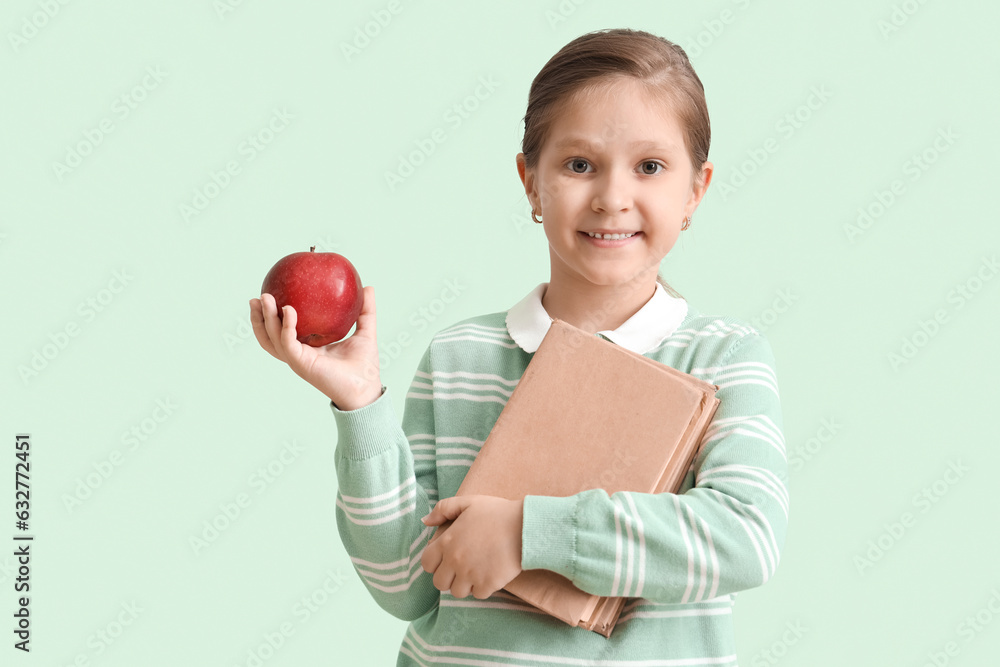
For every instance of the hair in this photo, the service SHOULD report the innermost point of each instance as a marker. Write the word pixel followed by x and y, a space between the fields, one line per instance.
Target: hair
pixel 585 67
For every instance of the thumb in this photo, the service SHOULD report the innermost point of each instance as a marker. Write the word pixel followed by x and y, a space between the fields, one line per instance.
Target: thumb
pixel 366 318
pixel 446 509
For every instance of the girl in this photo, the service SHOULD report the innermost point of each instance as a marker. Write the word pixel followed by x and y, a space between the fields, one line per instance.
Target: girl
pixel 615 162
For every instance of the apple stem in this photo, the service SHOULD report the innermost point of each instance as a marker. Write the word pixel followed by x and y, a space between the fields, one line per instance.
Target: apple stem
pixel 312 248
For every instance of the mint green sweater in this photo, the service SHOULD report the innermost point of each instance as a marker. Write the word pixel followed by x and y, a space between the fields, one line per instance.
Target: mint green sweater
pixel 680 559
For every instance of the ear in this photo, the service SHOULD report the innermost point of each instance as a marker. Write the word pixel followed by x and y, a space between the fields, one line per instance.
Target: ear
pixel 699 187
pixel 527 179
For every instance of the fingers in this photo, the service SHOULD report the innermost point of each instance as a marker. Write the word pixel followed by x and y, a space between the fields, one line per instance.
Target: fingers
pixel 259 331
pixel 271 323
pixel 431 559
pixel 460 589
pixel 444 578
pixel 447 509
pixel 434 517
pixel 273 326
pixel 290 344
pixel 482 592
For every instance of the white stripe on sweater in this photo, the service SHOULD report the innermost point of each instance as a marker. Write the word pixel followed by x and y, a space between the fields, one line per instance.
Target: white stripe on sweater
pixel 703 578
pixel 415 646
pixel 642 543
pixel 367 500
pixel 385 519
pixel 445 397
pixel 444 375
pixel 745 510
pixel 479 339
pixel 742 372
pixel 744 427
pixel 682 520
pixel 715 562
pixel 762 473
pixel 734 509
pixel 766 489
pixel 408 563
pixel 618 549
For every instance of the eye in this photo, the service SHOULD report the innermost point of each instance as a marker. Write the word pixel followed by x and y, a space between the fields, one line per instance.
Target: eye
pixel 577 161
pixel 655 164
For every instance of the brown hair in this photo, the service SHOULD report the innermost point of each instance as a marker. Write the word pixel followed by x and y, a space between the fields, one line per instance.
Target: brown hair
pixel 591 61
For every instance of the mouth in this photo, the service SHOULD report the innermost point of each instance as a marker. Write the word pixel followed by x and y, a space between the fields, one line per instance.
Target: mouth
pixel 612 240
pixel 612 236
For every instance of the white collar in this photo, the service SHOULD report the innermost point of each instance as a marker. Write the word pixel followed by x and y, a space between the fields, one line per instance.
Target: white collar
pixel 527 321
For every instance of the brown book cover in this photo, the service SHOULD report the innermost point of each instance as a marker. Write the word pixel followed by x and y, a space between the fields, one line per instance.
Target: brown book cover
pixel 587 414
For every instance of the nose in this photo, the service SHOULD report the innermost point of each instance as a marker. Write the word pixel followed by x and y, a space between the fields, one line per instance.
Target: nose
pixel 613 191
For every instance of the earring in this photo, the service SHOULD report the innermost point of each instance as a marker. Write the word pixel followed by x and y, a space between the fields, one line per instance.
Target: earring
pixel 687 222
pixel 534 218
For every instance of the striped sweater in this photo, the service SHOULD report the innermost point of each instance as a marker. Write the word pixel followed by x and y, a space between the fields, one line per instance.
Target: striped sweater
pixel 680 559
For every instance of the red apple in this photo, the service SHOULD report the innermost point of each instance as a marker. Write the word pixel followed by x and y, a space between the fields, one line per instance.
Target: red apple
pixel 324 289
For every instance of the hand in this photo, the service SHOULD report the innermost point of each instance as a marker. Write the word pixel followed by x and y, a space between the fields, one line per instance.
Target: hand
pixel 347 371
pixel 480 552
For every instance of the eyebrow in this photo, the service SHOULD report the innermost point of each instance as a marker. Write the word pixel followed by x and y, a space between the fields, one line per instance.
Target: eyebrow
pixel 583 143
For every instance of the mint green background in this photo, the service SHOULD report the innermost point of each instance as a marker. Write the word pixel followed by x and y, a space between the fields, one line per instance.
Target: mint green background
pixel 179 330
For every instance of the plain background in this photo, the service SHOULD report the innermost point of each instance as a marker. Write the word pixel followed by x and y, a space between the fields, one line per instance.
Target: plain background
pixel 821 112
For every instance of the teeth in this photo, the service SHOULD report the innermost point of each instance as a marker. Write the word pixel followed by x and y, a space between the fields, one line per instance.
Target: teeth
pixel 610 236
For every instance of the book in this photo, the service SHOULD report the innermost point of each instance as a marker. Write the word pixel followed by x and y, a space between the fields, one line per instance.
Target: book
pixel 587 414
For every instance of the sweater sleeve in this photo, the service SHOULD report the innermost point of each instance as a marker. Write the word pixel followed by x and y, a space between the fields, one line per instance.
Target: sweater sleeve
pixel 387 481
pixel 723 535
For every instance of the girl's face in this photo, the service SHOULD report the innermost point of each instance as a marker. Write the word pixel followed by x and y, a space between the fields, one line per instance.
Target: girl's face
pixel 614 163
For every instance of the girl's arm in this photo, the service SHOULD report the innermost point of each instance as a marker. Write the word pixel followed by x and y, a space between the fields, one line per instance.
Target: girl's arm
pixel 723 535
pixel 387 481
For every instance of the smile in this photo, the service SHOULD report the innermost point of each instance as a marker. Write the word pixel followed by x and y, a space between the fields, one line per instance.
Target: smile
pixel 610 236
pixel 610 240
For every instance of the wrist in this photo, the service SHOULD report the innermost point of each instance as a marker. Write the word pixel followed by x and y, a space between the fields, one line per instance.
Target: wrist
pixel 357 404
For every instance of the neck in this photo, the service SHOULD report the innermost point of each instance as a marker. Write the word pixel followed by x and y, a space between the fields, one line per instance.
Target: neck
pixel 594 308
